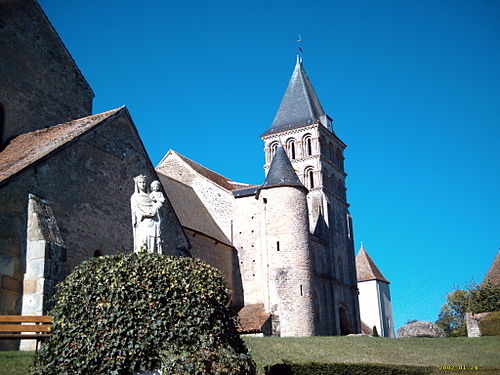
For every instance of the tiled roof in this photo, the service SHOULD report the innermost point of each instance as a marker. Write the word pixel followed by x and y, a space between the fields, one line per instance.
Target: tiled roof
pixel 220 180
pixel 190 210
pixel 281 172
pixel 493 273
pixel 26 149
pixel 300 105
pixel 366 268
pixel 252 318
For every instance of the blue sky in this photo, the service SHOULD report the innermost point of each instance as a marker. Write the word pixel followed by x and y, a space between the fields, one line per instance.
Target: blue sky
pixel 413 87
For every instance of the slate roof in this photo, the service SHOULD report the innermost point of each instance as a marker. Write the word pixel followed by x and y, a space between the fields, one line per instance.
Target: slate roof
pixel 251 318
pixel 281 172
pixel 300 105
pixel 190 210
pixel 26 149
pixel 493 273
pixel 366 268
pixel 220 180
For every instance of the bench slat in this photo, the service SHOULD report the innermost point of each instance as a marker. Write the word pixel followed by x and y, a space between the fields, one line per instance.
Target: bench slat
pixel 21 336
pixel 25 328
pixel 26 318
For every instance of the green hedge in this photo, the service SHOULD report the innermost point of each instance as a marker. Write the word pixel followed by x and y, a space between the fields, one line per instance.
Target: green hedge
pixel 314 368
pixel 127 313
pixel 490 325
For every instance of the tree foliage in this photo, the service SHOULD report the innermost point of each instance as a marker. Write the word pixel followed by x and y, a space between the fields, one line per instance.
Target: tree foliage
pixel 476 298
pixel 127 313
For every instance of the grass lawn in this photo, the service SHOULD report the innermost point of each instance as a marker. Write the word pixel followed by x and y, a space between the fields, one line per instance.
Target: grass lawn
pixel 15 363
pixel 482 351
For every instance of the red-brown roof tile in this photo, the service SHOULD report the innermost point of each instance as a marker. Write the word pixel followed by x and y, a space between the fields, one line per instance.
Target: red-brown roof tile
pixel 252 318
pixel 366 268
pixel 26 149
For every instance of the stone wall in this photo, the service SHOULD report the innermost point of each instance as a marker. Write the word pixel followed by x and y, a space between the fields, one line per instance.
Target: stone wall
pixel 40 85
pixel 471 321
pixel 288 254
pixel 222 256
pixel 335 276
pixel 247 241
pixel 89 183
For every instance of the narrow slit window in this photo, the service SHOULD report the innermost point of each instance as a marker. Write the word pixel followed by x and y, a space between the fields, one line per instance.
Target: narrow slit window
pixel 301 290
pixel 277 246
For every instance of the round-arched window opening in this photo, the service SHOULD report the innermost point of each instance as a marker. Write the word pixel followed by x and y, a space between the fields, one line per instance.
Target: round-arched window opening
pixel 308 145
pixel 274 147
pixel 309 177
pixel 290 145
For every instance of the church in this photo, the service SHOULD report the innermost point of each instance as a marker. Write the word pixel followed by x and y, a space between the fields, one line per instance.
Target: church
pixel 285 247
pixel 292 235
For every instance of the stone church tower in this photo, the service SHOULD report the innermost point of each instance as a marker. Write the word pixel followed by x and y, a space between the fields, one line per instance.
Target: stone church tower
pixel 316 153
pixel 292 236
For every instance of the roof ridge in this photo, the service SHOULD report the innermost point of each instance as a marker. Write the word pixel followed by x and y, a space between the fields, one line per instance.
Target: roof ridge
pixel 29 148
pixel 230 184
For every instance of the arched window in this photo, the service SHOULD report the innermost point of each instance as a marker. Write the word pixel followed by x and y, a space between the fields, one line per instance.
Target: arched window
pixel 331 155
pixel 307 145
pixel 290 146
pixel 339 158
pixel 273 148
pixel 309 177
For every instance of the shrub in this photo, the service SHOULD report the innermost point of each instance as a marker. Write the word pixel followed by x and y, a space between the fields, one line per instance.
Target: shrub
pixel 314 368
pixel 490 325
pixel 126 313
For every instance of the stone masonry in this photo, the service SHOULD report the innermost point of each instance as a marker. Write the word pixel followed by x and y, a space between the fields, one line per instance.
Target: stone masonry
pixel 40 84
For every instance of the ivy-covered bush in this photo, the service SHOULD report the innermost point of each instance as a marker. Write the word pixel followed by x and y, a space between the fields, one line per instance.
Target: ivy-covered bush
pixel 127 313
pixel 490 325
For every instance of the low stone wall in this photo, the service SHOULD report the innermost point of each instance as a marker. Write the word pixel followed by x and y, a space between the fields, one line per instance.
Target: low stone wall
pixel 472 321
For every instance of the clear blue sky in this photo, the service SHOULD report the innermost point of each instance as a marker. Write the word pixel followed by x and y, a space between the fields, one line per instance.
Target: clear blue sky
pixel 413 87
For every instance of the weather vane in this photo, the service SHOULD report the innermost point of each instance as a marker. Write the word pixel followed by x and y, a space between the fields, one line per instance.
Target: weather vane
pixel 299 46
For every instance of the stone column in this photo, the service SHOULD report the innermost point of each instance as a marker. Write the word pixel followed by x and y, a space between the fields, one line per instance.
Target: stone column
pixel 45 254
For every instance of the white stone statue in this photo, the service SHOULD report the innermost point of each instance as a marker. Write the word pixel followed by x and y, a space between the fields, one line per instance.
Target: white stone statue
pixel 146 216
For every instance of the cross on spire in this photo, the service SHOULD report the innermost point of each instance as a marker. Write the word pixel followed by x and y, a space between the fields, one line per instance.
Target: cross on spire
pixel 299 46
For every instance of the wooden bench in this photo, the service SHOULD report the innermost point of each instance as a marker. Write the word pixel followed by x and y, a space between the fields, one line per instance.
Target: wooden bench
pixel 12 329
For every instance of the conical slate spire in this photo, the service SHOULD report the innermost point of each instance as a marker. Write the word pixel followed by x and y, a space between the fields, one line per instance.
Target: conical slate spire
pixel 366 268
pixel 300 105
pixel 281 172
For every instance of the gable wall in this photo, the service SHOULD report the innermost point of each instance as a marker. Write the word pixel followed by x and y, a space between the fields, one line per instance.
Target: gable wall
pixel 39 84
pixel 88 185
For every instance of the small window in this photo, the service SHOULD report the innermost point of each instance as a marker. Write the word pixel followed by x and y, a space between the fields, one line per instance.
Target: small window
pixel 274 147
pixel 309 177
pixel 308 145
pixel 349 226
pixel 301 290
pixel 290 145
pixel 277 246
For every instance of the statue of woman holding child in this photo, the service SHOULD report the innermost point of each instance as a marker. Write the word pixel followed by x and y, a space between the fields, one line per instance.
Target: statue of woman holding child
pixel 146 220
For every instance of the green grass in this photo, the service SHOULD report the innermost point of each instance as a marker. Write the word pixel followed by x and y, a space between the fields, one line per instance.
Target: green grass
pixel 15 363
pixel 482 351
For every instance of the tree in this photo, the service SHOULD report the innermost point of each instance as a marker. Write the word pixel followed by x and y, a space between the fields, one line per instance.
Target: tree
pixel 475 298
